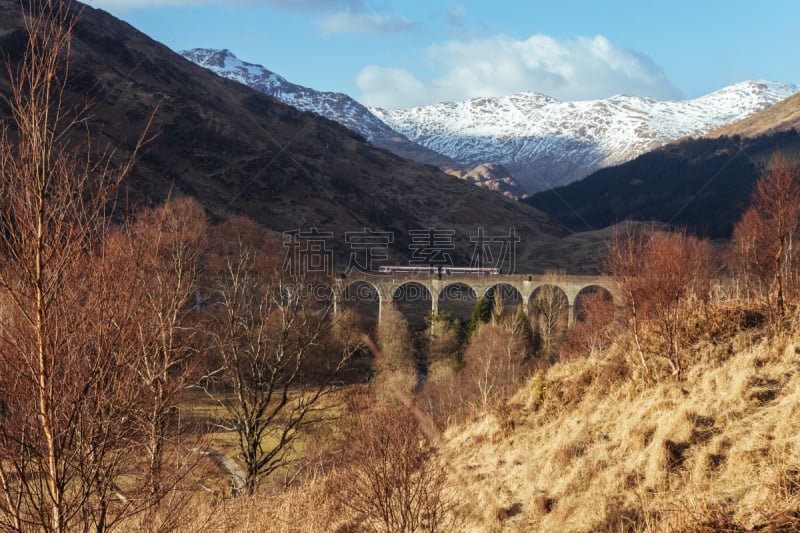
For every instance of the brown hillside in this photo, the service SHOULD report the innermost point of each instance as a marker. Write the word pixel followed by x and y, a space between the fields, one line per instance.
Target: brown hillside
pixel 783 116
pixel 241 152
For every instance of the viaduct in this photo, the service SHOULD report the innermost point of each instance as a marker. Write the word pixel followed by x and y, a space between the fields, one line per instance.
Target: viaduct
pixel 438 289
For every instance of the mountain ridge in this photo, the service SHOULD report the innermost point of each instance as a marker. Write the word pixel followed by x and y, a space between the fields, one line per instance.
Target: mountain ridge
pixel 701 184
pixel 536 141
pixel 335 106
pixel 545 142
pixel 492 176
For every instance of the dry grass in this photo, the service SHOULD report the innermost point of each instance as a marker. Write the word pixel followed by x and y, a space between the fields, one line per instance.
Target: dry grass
pixel 587 445
pixel 717 450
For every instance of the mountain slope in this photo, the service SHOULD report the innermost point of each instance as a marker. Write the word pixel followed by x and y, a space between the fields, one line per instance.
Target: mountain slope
pixel 546 143
pixel 492 176
pixel 241 152
pixel 702 184
pixel 334 106
pixel 783 116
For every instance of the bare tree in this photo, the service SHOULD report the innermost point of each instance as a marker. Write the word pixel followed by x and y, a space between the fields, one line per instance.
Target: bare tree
pixel 495 363
pixel 65 339
pixel 594 329
pixel 549 309
pixel 625 263
pixel 165 246
pixel 278 361
pixel 764 238
pixel 392 481
pixel 394 364
pixel 745 255
pixel 394 338
pixel 445 336
pixel 498 305
pixel 659 273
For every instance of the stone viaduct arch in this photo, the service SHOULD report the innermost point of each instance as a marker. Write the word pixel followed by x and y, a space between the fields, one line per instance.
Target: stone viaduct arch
pixel 413 299
pixel 457 298
pixel 587 292
pixel 552 298
pixel 510 296
pixel 387 285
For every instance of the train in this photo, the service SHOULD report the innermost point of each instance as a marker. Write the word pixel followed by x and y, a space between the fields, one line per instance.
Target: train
pixel 439 270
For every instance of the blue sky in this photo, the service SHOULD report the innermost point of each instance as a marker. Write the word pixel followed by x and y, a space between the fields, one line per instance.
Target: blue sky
pixel 413 52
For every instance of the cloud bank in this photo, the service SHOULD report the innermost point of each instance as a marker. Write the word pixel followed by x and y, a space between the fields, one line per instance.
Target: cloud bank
pixel 578 69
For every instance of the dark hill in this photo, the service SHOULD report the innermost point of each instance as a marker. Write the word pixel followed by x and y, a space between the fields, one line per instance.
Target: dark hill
pixel 241 152
pixel 701 184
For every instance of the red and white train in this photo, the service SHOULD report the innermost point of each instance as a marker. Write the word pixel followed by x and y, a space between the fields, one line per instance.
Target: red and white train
pixel 438 270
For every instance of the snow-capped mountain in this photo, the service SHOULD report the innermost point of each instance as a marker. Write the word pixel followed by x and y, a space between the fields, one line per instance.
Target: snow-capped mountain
pixel 334 106
pixel 544 142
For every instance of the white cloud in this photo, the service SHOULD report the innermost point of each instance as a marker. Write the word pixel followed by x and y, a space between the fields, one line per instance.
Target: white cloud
pixel 390 85
pixel 579 69
pixel 369 23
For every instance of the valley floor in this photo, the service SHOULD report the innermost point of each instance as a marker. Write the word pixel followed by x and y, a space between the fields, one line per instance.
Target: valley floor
pixel 589 444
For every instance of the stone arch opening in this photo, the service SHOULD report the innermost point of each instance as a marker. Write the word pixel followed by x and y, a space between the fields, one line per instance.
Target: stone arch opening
pixel 458 299
pixel 362 299
pixel 509 298
pixel 549 312
pixel 414 301
pixel 592 299
pixel 549 299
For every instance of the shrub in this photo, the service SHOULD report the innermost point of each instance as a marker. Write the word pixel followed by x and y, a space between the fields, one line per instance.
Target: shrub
pixel 393 481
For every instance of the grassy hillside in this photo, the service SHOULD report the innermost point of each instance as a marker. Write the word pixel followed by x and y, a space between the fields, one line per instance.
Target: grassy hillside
pixel 715 452
pixel 601 450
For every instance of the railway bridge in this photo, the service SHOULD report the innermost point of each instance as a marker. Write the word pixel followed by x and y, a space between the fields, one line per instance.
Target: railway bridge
pixel 441 289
